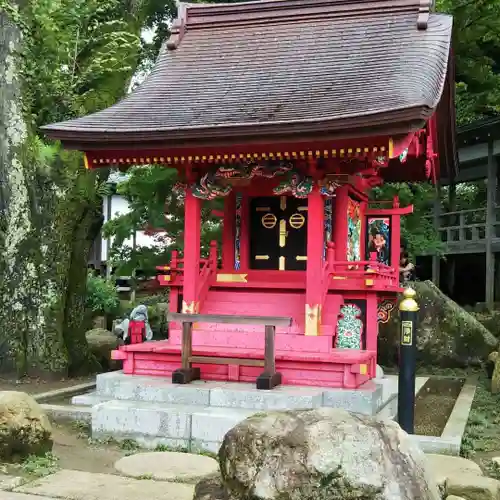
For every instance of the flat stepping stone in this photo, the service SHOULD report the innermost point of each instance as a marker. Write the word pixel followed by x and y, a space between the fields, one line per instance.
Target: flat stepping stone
pixel 168 466
pixel 444 466
pixel 77 485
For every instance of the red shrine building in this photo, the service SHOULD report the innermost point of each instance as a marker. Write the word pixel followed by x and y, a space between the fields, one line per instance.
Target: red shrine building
pixel 290 112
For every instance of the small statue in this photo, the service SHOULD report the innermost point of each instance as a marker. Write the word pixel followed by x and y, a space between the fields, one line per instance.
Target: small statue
pixel 139 313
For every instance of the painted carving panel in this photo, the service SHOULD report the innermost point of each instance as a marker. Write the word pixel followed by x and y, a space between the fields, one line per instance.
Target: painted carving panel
pixel 379 238
pixel 353 230
pixel 351 325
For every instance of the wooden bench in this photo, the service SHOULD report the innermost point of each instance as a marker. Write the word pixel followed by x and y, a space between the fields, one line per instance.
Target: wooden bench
pixel 268 379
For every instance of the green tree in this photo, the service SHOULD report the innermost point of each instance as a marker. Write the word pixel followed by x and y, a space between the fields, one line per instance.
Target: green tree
pixel 156 206
pixel 58 59
pixel 476 45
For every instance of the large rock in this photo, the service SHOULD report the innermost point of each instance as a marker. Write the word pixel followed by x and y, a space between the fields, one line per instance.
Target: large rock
pixel 211 488
pixel 101 342
pixel 320 454
pixel 489 319
pixel 447 335
pixel 24 427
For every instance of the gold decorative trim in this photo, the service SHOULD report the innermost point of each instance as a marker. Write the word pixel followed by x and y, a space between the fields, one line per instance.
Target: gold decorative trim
pixel 191 307
pixel 232 278
pixel 269 221
pixel 283 202
pixel 339 277
pixel 360 151
pixel 263 209
pixel 262 257
pixel 363 369
pixel 297 221
pixel 391 147
pixel 369 282
pixel 283 234
pixel 313 322
pixel 86 161
pixel 281 266
pixel 301 257
pixel 302 209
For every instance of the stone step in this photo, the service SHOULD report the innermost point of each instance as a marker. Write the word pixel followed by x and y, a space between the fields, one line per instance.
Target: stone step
pixel 89 399
pixel 190 427
pixel 117 386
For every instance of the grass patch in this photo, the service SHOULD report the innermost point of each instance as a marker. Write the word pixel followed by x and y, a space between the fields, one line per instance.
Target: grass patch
pixel 40 466
pixel 163 447
pixel 482 434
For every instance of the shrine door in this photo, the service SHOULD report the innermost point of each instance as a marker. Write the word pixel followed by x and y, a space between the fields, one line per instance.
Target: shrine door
pixel 278 233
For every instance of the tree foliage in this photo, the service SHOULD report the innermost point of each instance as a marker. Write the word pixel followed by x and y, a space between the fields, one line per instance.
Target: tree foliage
pixel 75 57
pixel 156 208
pixel 476 47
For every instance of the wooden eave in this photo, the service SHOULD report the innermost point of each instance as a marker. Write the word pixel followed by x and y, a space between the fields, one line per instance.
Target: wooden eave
pixel 396 123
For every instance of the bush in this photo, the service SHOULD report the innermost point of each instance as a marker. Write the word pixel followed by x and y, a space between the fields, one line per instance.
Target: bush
pixel 102 297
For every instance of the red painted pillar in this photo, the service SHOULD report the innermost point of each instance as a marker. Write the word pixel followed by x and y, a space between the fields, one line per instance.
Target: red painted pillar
pixel 192 227
pixel 395 238
pixel 362 236
pixel 340 224
pixel 228 230
pixel 395 242
pixel 371 328
pixel 314 272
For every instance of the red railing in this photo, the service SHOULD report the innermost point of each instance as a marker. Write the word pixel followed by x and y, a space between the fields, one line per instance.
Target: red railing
pixel 169 274
pixel 365 273
pixel 368 270
pixel 207 273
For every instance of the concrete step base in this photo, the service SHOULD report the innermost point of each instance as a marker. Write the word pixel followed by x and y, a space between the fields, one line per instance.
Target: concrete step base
pixel 190 427
pixel 89 399
pixel 116 386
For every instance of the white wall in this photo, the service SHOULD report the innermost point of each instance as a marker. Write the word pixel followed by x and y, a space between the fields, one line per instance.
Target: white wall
pixel 119 206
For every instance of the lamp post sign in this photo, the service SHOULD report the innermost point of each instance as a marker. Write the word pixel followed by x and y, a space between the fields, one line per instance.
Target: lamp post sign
pixel 408 312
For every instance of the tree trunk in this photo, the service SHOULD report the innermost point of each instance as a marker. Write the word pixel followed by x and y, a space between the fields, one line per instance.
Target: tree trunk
pixel 44 231
pixel 76 320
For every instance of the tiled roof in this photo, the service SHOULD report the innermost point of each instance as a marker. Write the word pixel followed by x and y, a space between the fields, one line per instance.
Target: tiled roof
pixel 257 68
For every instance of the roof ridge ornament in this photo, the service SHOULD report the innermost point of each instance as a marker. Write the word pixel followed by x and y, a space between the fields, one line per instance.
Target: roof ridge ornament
pixel 424 10
pixel 178 29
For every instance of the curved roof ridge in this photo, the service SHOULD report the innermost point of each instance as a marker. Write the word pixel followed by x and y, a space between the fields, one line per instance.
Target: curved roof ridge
pixel 199 15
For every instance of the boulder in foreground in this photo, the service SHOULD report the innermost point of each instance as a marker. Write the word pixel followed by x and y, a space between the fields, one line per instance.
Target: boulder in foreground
pixel 319 454
pixel 24 427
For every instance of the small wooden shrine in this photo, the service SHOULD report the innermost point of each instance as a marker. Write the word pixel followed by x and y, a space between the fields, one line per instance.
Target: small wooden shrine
pixel 291 111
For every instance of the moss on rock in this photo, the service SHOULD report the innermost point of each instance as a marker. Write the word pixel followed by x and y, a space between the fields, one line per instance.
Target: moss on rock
pixel 320 454
pixel 24 427
pixel 448 336
pixel 101 342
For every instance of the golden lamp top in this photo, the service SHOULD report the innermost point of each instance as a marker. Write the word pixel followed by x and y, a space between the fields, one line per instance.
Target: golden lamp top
pixel 409 304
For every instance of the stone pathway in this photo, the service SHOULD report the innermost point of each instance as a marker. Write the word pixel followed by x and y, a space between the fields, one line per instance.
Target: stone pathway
pixel 9 495
pixel 167 466
pixel 164 476
pixel 155 475
pixel 77 485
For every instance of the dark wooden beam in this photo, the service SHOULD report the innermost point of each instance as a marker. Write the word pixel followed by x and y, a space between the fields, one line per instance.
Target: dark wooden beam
pixel 268 379
pixel 230 319
pixel 436 259
pixel 490 226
